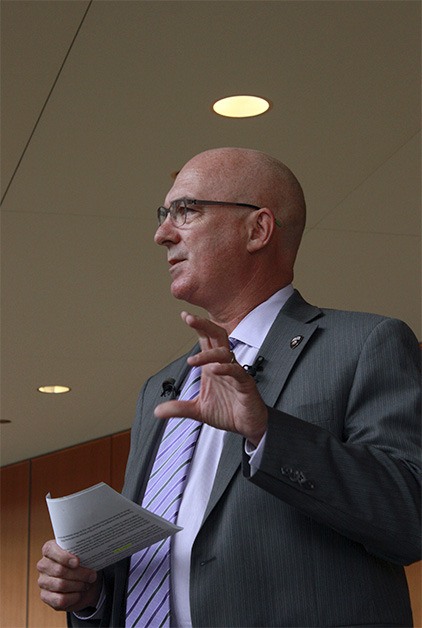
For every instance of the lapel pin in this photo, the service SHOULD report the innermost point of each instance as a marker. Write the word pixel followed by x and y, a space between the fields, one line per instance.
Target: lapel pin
pixel 295 342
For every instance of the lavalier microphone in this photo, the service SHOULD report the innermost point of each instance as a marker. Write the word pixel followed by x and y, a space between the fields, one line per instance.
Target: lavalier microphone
pixel 169 387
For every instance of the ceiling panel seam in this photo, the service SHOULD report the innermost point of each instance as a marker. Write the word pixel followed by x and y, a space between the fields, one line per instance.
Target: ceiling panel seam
pixel 46 102
pixel 356 187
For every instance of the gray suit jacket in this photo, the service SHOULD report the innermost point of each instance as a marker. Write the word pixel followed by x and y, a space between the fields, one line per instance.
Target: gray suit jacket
pixel 318 535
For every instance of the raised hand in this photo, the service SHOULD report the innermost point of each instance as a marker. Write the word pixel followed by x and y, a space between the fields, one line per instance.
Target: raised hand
pixel 228 399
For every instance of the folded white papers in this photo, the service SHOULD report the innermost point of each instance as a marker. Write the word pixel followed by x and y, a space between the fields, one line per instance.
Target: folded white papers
pixel 102 527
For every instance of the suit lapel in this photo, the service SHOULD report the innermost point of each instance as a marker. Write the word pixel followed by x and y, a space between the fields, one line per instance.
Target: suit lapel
pixel 149 439
pixel 281 350
pixel 227 467
pixel 292 330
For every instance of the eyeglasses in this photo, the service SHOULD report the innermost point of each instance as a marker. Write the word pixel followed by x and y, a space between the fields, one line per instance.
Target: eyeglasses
pixel 182 207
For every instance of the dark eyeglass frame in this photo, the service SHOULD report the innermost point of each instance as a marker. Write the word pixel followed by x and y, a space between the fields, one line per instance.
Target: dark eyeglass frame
pixel 185 203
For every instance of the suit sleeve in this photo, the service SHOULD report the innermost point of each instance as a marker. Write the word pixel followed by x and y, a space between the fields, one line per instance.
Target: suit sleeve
pixel 366 483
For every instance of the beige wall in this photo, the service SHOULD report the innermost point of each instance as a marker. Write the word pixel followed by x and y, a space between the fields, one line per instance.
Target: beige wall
pixel 25 523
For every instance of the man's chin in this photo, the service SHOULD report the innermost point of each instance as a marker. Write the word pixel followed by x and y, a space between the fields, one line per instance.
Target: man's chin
pixel 183 292
pixel 179 291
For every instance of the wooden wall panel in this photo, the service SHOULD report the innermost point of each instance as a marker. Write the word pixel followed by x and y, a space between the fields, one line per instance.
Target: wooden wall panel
pixel 60 473
pixel 23 501
pixel 14 543
pixel 414 579
pixel 120 444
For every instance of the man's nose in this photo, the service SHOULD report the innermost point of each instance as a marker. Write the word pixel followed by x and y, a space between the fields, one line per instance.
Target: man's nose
pixel 166 232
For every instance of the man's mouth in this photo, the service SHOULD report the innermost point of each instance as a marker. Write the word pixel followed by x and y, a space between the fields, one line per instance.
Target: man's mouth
pixel 175 261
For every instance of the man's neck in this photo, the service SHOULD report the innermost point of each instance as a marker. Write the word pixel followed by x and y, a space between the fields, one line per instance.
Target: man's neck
pixel 229 317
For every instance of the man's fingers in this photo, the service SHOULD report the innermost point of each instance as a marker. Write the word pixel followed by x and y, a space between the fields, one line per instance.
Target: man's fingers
pixel 61 585
pixel 55 553
pixel 210 334
pixel 60 601
pixel 220 354
pixel 170 409
pixel 58 563
pixel 64 583
pixel 62 594
pixel 55 570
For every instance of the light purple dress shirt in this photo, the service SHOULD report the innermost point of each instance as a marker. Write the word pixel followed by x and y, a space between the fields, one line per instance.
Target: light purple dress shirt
pixel 251 333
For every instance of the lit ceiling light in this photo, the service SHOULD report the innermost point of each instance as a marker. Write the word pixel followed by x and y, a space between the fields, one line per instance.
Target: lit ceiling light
pixel 242 106
pixel 54 390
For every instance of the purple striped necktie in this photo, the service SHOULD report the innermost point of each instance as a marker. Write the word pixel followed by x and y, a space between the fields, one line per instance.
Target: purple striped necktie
pixel 148 594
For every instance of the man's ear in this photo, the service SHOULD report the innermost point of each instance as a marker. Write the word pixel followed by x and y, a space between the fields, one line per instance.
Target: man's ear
pixel 261 228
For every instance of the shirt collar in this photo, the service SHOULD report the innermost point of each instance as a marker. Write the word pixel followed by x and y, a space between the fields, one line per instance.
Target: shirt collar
pixel 253 329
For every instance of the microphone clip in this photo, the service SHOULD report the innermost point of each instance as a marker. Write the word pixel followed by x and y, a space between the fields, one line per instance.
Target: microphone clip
pixel 168 388
pixel 255 367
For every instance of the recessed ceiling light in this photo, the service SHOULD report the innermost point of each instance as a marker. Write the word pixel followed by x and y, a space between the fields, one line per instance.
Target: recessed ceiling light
pixel 242 106
pixel 54 390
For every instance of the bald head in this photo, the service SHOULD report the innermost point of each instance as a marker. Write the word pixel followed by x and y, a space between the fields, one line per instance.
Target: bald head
pixel 227 258
pixel 251 176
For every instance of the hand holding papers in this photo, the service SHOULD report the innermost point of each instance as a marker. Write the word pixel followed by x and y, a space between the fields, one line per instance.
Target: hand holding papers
pixel 101 526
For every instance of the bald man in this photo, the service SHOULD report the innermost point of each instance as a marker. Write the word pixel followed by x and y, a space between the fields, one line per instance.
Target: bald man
pixel 302 498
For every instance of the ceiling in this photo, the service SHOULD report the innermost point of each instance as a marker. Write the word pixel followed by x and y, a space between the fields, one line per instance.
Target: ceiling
pixel 103 100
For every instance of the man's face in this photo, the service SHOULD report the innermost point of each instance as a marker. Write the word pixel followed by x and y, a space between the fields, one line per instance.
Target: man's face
pixel 207 255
